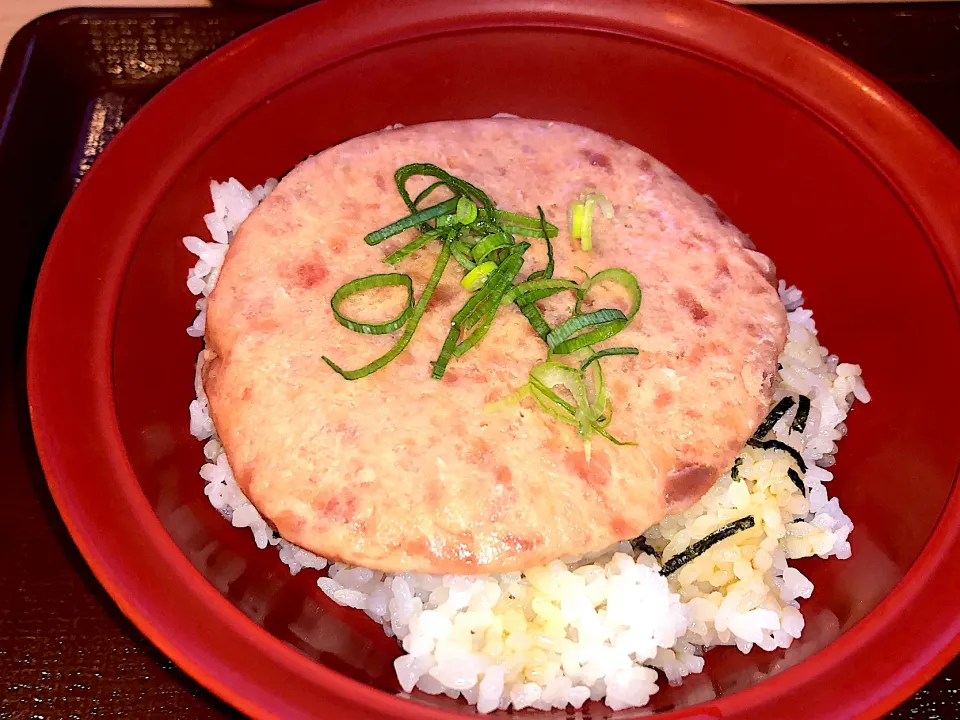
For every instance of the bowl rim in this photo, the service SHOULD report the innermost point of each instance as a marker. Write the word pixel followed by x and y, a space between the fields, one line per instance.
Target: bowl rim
pixel 78 291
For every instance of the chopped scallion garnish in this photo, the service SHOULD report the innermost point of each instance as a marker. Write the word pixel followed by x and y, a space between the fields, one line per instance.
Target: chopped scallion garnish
pixel 607 353
pixel 489 244
pixel 580 216
pixel 624 278
pixel 599 325
pixel 475 279
pixel 481 238
pixel 419 309
pixel 547 272
pixel 417 218
pixel 369 283
pixel 466 211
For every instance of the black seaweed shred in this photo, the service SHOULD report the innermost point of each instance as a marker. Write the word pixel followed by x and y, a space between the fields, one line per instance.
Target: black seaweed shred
pixel 795 478
pixel 701 546
pixel 773 417
pixel 641 544
pixel 777 445
pixel 803 412
pixel 735 470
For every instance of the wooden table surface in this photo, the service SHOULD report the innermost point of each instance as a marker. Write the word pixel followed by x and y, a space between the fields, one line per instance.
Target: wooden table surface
pixel 14 14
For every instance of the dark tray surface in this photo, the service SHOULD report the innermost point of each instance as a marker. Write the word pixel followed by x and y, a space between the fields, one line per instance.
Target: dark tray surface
pixel 69 82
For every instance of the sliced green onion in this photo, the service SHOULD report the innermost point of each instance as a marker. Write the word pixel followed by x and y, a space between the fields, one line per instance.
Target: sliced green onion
pixel 479 313
pixel 575 218
pixel 599 399
pixel 606 323
pixel 532 225
pixel 607 353
pixel 419 309
pixel 580 216
pixel 461 253
pixel 489 244
pixel 606 207
pixel 369 283
pixel 414 245
pixel 547 272
pixel 496 285
pixel 604 419
pixel 466 211
pixel 456 185
pixel 701 546
pixel 446 220
pixel 475 279
pixel 544 377
pixel 624 278
pixel 417 218
pixel 586 225
pixel 534 290
pixel 532 313
pixel 426 191
pixel 607 436
pixel 510 268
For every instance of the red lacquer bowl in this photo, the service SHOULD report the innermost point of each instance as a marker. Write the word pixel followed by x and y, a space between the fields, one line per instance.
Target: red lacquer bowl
pixel 851 192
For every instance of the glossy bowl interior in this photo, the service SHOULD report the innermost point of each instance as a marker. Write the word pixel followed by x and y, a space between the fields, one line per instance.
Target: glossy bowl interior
pixel 844 186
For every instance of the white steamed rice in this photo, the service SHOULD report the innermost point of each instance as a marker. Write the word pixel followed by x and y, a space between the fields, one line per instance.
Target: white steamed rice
pixel 600 626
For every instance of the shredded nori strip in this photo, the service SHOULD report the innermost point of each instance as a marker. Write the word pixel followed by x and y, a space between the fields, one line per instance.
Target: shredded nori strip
pixel 803 411
pixel 795 477
pixel 777 445
pixel 701 546
pixel 640 543
pixel 773 417
pixel 735 470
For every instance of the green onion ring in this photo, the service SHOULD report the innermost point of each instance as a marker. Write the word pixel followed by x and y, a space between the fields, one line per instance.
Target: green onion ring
pixel 369 283
pixel 466 211
pixel 456 185
pixel 622 277
pixel 489 244
pixel 545 376
pixel 475 279
pixel 419 309
pixel 606 323
pixel 607 353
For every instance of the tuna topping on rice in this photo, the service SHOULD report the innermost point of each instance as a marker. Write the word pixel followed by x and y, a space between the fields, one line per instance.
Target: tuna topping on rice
pixel 548 413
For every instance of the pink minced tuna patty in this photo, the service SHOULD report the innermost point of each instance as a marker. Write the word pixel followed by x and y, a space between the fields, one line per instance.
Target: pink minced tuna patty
pixel 400 472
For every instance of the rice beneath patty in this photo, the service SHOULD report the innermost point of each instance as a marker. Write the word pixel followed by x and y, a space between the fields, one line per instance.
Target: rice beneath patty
pixel 597 627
